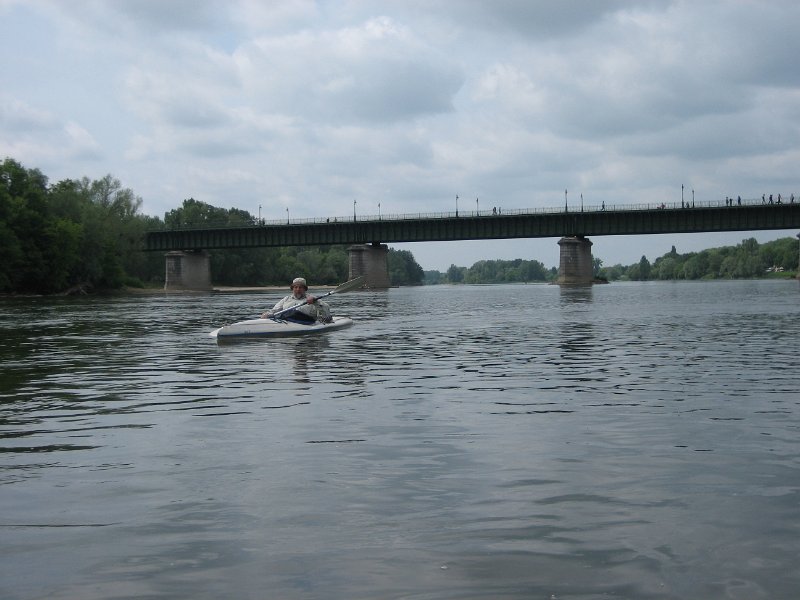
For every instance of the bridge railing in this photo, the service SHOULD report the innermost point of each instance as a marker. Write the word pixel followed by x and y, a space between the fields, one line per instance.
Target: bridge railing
pixel 493 212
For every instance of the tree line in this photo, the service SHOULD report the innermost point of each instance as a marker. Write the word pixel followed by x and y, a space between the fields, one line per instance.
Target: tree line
pixel 494 271
pixel 84 235
pixel 75 233
pixel 747 260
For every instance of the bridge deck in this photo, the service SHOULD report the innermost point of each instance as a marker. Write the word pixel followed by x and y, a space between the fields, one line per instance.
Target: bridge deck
pixel 466 225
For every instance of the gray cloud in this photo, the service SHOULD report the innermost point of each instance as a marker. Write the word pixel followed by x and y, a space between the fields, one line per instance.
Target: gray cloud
pixel 376 72
pixel 146 17
pixel 18 118
pixel 540 19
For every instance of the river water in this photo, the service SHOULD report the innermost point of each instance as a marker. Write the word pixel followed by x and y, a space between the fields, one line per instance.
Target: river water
pixel 632 440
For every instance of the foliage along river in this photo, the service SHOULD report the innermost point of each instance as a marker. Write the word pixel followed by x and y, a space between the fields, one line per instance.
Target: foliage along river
pixel 634 440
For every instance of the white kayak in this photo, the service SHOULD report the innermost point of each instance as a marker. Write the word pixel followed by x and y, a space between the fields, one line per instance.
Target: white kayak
pixel 267 328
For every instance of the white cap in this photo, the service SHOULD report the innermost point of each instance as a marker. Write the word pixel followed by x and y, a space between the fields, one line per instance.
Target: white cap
pixel 300 281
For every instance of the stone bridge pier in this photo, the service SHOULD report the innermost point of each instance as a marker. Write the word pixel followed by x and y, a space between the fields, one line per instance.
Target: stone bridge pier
pixel 372 261
pixel 188 270
pixel 575 262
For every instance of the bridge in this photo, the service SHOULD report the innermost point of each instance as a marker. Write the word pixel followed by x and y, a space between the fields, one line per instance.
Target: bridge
pixel 187 258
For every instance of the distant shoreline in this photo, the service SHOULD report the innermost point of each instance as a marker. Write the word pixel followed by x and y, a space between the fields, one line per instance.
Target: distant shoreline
pixel 217 290
pixel 283 288
pixel 136 291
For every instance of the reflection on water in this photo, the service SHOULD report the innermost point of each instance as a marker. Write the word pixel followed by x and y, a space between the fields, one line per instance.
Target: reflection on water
pixel 576 294
pixel 628 440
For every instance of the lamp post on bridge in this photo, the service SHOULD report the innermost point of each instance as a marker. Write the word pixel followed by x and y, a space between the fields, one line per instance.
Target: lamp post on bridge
pixel 287 215
pixel 581 201
pixel 477 208
pixel 566 205
pixel 379 211
pixel 354 209
pixel 259 213
pixel 456 204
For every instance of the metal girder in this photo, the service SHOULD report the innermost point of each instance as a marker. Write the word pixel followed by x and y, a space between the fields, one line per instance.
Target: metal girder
pixel 483 226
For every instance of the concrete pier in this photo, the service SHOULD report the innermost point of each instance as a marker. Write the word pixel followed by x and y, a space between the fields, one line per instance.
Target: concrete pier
pixel 370 260
pixel 575 262
pixel 188 271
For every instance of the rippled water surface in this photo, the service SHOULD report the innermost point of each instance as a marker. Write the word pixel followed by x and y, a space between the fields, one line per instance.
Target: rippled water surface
pixel 627 441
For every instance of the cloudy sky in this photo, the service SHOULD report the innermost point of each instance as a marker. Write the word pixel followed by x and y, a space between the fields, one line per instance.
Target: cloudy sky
pixel 407 103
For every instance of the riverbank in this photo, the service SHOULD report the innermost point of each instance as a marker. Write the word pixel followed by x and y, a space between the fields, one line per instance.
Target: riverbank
pixel 217 289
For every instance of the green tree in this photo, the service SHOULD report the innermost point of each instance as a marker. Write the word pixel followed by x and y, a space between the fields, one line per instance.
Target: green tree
pixel 613 273
pixel 532 270
pixel 113 231
pixel 403 269
pixel 76 231
pixel 483 271
pixel 434 277
pixel 597 266
pixel 24 219
pixel 665 267
pixel 455 274
pixel 644 268
pixel 694 267
pixel 62 252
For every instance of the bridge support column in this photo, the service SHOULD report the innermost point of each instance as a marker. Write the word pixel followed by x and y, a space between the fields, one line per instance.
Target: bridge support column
pixel 575 264
pixel 370 260
pixel 188 271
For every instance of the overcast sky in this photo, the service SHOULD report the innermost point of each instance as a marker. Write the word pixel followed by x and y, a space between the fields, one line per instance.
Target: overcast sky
pixel 408 103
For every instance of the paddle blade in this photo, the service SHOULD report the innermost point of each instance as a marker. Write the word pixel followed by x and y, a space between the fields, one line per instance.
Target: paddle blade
pixel 347 286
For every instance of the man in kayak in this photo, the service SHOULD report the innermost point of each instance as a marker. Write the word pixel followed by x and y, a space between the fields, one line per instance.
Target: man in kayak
pixel 310 309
